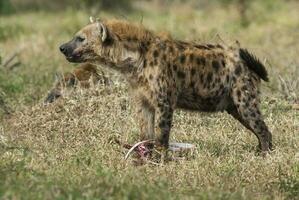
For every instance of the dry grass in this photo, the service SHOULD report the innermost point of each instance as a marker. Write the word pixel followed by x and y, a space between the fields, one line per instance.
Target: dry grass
pixel 66 150
pixel 67 143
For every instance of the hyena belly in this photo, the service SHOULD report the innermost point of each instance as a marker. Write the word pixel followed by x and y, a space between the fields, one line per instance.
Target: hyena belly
pixel 190 99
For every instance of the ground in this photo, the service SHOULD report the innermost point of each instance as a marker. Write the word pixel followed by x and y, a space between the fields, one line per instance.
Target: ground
pixel 68 150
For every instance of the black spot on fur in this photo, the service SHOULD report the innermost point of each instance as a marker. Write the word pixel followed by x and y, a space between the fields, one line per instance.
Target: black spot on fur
pixel 181 74
pixel 191 57
pixel 151 63
pixel 193 71
pixel 227 78
pixel 171 49
pixel 223 63
pixel 209 77
pixel 258 112
pixel 244 88
pixel 201 78
pixel 164 56
pixel 160 104
pixel 239 93
pixel 216 65
pixel 175 67
pixel 192 84
pixel 198 61
pixel 182 59
pixel 238 70
pixel 221 87
pixel 156 54
pixel 169 72
pixel 150 77
pixel 213 85
pixel 254 64
pixel 219 46
pixel 201 61
pixel 257 122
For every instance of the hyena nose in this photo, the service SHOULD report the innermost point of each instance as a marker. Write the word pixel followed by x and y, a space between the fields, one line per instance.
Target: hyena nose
pixel 63 49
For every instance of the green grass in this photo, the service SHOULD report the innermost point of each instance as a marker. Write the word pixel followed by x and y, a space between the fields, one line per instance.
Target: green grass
pixel 67 150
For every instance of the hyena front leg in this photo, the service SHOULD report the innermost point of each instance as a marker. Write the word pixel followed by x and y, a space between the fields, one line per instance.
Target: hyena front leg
pixel 163 119
pixel 146 119
pixel 246 102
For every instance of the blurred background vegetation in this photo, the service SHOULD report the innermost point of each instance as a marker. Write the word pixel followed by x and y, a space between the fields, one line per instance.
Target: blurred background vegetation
pixel 14 6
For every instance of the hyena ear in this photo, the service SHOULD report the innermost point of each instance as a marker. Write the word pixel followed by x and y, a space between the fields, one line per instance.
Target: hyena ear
pixel 92 19
pixel 102 30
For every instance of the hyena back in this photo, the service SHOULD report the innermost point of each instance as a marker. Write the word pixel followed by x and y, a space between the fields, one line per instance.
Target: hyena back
pixel 166 74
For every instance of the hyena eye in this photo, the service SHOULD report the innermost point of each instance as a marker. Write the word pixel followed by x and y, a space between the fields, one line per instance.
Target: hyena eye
pixel 80 39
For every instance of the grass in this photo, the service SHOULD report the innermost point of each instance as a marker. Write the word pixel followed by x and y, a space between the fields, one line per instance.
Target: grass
pixel 67 151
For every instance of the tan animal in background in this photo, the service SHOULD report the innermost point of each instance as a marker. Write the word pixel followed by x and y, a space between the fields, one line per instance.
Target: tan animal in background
pixel 166 74
pixel 82 76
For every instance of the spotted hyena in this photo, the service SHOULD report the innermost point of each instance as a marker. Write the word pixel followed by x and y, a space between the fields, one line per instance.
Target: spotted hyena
pixel 82 76
pixel 166 74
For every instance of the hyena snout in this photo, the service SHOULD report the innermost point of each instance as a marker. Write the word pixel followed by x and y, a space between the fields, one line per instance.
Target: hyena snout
pixel 66 49
pixel 70 51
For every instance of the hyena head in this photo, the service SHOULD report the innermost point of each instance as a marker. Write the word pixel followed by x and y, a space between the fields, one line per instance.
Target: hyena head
pixel 104 42
pixel 62 82
pixel 86 44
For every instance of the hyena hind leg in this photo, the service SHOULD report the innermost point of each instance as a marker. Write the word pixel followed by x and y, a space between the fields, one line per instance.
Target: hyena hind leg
pixel 233 111
pixel 246 111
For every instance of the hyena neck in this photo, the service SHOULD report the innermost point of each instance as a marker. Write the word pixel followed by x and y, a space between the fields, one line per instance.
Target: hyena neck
pixel 121 59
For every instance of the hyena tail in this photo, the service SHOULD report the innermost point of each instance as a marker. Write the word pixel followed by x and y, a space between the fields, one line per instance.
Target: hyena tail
pixel 254 64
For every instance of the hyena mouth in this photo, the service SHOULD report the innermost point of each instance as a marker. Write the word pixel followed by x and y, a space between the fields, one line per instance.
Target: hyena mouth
pixel 77 57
